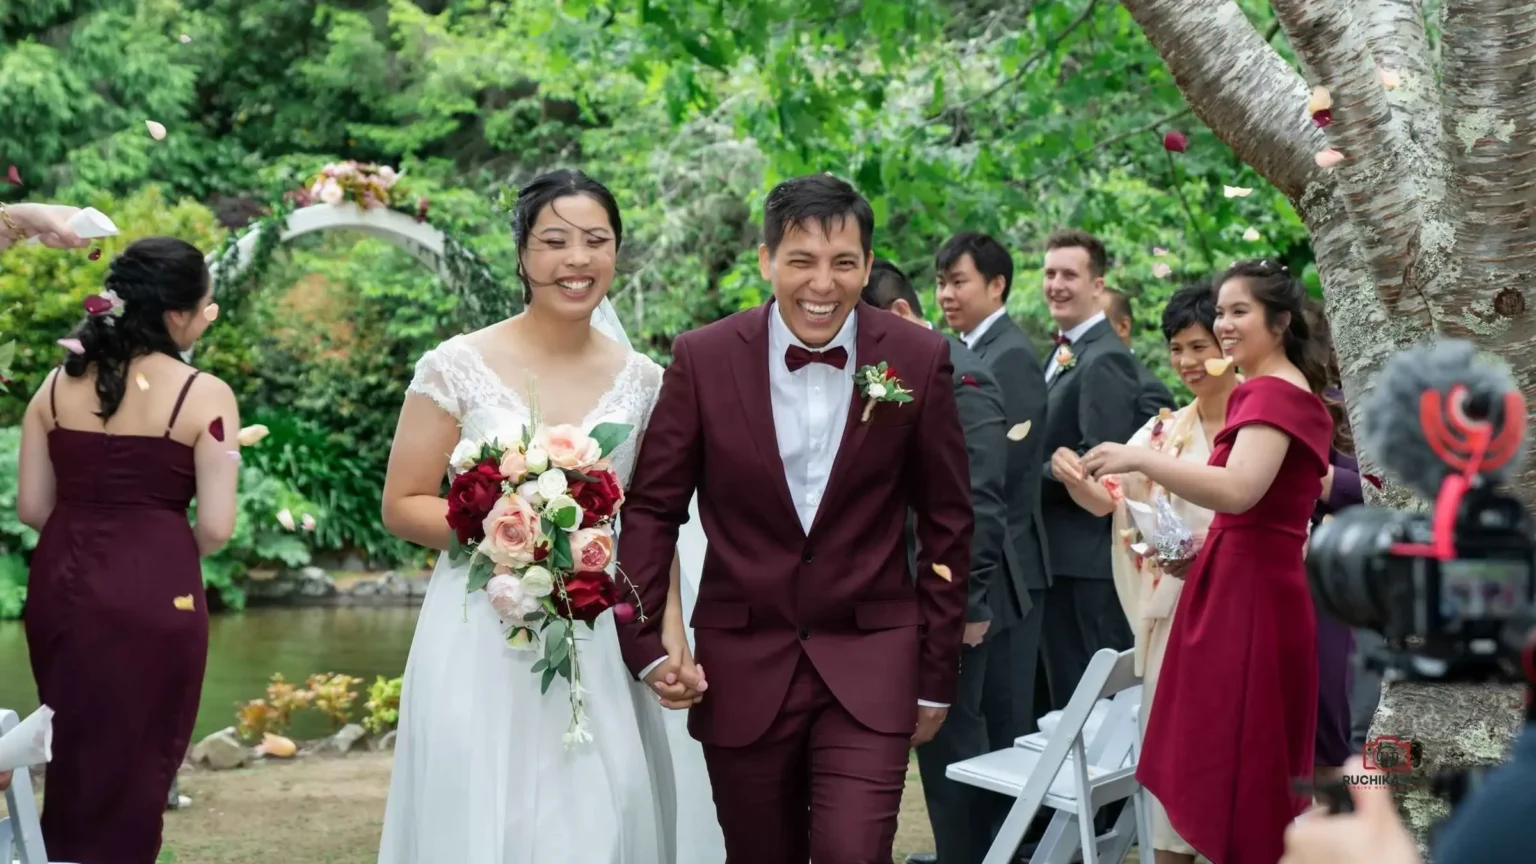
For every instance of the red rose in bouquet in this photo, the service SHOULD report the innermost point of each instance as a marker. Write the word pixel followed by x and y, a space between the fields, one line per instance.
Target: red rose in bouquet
pixel 470 499
pixel 599 497
pixel 586 596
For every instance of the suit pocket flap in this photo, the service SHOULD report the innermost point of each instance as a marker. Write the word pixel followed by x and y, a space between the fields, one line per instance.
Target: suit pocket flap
pixel 720 615
pixel 885 614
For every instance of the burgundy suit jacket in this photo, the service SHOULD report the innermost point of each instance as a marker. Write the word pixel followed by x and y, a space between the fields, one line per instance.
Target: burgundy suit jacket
pixel 841 594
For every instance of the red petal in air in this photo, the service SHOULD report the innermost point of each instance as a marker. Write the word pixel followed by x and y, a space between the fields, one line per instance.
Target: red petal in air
pixel 97 305
pixel 13 176
pixel 1373 479
pixel 1323 118
pixel 216 428
pixel 969 381
pixel 1175 142
pixel 95 254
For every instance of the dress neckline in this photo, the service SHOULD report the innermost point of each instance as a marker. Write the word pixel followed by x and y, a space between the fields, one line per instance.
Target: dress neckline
pixel 599 407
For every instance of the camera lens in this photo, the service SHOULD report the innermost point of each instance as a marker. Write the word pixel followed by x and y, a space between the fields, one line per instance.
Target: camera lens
pixel 1347 565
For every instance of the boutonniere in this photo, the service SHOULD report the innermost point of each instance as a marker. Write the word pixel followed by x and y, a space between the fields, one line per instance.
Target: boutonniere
pixel 879 383
pixel 1065 359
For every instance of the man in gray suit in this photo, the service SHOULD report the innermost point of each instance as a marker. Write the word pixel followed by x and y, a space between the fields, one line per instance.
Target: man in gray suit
pixel 1154 394
pixel 963 817
pixel 1093 387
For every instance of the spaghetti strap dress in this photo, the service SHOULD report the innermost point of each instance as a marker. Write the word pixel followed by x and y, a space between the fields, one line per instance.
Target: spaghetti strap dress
pixel 1235 717
pixel 118 636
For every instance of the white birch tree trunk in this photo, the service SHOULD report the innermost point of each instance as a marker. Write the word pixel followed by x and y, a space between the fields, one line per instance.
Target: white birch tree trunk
pixel 1424 229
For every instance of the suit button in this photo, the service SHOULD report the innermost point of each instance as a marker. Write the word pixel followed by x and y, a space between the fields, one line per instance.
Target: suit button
pixel 807 558
pixel 805 633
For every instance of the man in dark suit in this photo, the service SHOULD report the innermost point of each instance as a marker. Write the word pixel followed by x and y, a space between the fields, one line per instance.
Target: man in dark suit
pixel 963 816
pixel 1093 388
pixel 1154 394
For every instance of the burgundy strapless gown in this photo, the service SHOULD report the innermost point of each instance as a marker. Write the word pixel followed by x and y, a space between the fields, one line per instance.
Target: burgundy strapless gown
pixel 1236 709
pixel 114 652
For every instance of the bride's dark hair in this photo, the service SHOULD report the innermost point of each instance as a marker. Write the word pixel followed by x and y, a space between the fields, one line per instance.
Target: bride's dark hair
pixel 151 277
pixel 544 190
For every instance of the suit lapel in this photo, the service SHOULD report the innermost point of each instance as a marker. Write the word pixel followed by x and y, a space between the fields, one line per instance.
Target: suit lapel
pixel 871 331
pixel 756 395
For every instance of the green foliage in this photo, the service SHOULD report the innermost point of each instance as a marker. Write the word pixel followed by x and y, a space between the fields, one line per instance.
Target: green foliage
pixel 383 705
pixel 16 539
pixel 259 539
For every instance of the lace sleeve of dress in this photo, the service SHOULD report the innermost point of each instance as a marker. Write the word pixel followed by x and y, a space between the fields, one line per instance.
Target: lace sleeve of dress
pixel 434 379
pixel 650 386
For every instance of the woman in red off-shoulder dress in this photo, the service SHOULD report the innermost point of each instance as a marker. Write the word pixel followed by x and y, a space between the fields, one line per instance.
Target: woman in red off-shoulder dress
pixel 1236 709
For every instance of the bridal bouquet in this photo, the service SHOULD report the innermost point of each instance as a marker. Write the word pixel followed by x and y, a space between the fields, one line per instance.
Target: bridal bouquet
pixel 533 519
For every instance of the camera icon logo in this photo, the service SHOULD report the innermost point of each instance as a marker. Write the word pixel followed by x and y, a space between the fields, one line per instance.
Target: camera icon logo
pixel 1392 754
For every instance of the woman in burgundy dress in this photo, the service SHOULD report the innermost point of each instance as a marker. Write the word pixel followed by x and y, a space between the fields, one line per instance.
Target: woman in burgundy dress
pixel 1236 710
pixel 114 447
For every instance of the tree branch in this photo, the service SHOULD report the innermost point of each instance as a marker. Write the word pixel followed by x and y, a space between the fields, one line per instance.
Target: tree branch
pixel 1490 129
pixel 1374 177
pixel 1238 86
pixel 1050 45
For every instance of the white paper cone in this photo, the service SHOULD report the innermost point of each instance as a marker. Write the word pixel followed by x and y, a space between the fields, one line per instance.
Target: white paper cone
pixel 30 743
pixel 1144 517
pixel 91 223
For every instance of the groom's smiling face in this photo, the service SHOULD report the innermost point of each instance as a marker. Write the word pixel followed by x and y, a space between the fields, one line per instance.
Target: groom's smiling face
pixel 817 273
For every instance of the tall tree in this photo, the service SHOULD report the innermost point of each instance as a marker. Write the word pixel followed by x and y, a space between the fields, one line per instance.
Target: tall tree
pixel 1421 230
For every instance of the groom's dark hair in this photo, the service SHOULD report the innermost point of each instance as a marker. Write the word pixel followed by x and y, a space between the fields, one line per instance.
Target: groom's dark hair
pixel 819 198
pixel 887 284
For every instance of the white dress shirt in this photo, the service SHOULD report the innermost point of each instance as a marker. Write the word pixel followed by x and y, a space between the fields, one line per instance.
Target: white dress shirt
pixel 1072 335
pixel 810 411
pixel 810 414
pixel 971 338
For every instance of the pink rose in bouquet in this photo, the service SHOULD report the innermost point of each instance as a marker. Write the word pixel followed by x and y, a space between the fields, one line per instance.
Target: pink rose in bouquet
pixel 512 533
pixel 568 447
pixel 592 549
pixel 514 465
pixel 511 602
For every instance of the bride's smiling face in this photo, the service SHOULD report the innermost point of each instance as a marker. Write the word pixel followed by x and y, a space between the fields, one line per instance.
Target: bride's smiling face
pixel 569 257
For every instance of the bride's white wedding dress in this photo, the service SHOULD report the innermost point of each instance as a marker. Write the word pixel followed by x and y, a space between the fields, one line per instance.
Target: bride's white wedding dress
pixel 480 773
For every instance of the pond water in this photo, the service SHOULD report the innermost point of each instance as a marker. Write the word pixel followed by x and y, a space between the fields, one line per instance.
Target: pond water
pixel 245 648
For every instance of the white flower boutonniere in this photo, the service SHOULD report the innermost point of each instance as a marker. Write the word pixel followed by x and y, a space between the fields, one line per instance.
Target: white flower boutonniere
pixel 879 383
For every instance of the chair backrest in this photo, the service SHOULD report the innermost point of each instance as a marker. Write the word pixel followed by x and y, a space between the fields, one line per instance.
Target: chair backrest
pixel 21 823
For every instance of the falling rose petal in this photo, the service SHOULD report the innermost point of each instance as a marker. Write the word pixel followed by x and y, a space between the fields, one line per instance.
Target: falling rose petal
pixel 1322 118
pixel 251 435
pixel 156 130
pixel 13 175
pixel 1320 100
pixel 1127 533
pixel 1236 191
pixel 1218 366
pixel 307 522
pixel 624 613
pixel 95 254
pixel 216 428
pixel 285 519
pixel 943 572
pixel 211 311
pixel 1389 79
pixel 1019 432
pixel 234 455
pixel 184 603
pixel 1175 142
pixel 1159 251
pixel 277 745
pixel 1165 414
pixel 1328 158
pixel 185 39
pixel 1251 235
pixel 139 379
pixel 1161 270
pixel 73 345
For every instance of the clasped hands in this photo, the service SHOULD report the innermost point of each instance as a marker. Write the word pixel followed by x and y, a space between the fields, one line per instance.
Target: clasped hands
pixel 678 681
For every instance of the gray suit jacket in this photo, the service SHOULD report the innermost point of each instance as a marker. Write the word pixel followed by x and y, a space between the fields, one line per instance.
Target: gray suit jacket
pixel 1015 365
pixel 980 401
pixel 1093 401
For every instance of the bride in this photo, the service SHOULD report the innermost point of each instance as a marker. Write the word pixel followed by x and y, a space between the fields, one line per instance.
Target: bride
pixel 480 773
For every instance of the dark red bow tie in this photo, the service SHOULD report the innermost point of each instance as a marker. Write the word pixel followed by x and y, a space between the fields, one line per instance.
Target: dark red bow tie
pixel 1061 339
pixel 796 357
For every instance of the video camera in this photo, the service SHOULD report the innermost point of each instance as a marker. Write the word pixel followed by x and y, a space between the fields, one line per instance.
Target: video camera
pixel 1452 591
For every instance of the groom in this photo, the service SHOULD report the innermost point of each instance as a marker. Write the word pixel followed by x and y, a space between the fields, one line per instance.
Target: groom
pixel 826 661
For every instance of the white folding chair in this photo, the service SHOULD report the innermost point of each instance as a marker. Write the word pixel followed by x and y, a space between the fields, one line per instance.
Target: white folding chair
pixel 21 836
pixel 1073 772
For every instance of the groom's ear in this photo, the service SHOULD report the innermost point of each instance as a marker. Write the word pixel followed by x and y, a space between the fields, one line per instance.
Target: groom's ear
pixel 765 261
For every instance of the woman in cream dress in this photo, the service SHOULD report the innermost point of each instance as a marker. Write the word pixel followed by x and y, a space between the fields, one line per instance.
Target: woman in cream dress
pixel 1148 590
